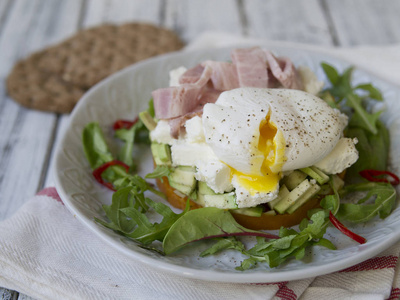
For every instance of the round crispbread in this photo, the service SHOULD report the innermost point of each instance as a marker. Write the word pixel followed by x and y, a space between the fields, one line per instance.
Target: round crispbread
pixel 94 54
pixel 40 90
pixel 55 78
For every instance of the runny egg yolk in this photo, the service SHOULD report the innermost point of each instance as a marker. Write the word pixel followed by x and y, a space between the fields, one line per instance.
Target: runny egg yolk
pixel 272 144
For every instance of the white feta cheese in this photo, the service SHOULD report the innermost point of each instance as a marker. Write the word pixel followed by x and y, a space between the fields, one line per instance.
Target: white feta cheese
pixel 216 174
pixel 162 133
pixel 340 158
pixel 191 154
pixel 174 76
pixel 194 130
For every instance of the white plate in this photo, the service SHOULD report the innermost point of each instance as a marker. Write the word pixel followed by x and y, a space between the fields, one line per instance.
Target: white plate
pixel 125 94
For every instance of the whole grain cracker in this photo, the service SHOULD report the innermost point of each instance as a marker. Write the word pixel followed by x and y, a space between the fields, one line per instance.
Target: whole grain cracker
pixel 54 79
pixel 40 90
pixel 94 54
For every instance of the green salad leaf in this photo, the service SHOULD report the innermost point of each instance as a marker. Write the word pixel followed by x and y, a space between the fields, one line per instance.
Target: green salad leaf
pixel 373 150
pixel 382 196
pixel 147 232
pixel 159 172
pixel 95 145
pixel 204 223
pixel 372 135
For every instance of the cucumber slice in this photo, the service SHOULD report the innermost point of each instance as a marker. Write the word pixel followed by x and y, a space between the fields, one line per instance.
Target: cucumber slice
pixel 283 192
pixel 224 201
pixel 200 199
pixel 337 182
pixel 182 179
pixel 316 174
pixel 147 120
pixel 292 197
pixel 310 193
pixel 270 213
pixel 183 176
pixel 161 154
pixel 294 179
pixel 205 189
pixel 251 211
pixel 184 189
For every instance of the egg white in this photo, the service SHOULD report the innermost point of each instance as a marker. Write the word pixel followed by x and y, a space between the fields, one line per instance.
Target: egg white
pixel 301 130
pixel 308 125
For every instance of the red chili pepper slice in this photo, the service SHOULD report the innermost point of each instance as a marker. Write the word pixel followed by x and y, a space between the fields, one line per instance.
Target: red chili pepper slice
pixel 343 229
pixel 376 176
pixel 119 124
pixel 98 171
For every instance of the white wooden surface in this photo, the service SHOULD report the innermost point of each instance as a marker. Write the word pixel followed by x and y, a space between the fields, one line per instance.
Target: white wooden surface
pixel 27 137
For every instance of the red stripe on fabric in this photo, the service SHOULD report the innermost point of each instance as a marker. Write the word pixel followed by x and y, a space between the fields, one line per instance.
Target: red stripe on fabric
pixel 270 283
pixel 50 192
pixel 376 263
pixel 394 294
pixel 285 293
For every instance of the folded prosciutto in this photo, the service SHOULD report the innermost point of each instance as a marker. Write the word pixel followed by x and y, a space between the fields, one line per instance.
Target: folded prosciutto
pixel 250 67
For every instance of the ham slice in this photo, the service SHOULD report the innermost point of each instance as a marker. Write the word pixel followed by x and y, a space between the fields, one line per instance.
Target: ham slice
pixel 209 95
pixel 284 71
pixel 224 75
pixel 176 124
pixel 199 75
pixel 175 101
pixel 251 67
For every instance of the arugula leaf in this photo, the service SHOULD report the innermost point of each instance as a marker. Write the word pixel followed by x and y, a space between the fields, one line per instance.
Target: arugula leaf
pixel 383 205
pixel 275 252
pixel 341 84
pixel 119 221
pixel 128 217
pixel 224 244
pixel 291 243
pixel 147 232
pixel 331 73
pixel 95 146
pixel 159 172
pixel 372 91
pixel 342 89
pixel 361 117
pixel 372 149
pixel 128 136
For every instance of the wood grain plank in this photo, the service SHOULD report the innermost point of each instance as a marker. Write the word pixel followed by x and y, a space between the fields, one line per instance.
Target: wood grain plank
pixel 6 294
pixel 287 20
pixel 360 22
pixel 49 179
pixel 27 134
pixel 191 18
pixel 122 11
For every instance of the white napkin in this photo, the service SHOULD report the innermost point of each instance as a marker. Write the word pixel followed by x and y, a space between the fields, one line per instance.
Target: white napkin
pixel 46 253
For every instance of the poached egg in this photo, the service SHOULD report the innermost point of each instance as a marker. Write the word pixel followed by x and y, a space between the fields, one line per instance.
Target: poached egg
pixel 262 133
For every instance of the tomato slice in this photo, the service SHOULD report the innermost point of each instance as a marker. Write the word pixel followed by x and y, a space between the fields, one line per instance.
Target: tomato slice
pixel 126 124
pixel 98 171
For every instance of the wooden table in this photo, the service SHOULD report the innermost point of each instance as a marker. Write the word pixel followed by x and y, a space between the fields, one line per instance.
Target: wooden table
pixel 28 137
